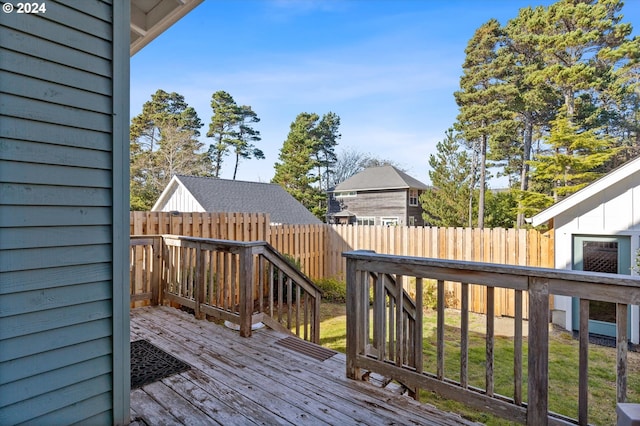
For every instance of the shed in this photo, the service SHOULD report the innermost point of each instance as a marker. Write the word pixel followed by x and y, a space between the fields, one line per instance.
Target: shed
pixel 598 229
pixel 213 195
pixel 64 201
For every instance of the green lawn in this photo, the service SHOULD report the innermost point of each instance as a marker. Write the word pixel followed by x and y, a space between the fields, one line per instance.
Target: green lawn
pixel 563 366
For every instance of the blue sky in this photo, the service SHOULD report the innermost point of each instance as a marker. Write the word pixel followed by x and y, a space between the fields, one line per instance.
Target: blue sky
pixel 388 68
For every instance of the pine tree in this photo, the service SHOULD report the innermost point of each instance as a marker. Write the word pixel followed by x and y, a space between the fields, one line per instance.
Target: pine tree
pixel 576 158
pixel 445 203
pixel 163 143
pixel 482 99
pixel 246 135
pixel 222 128
pixel 326 135
pixel 297 160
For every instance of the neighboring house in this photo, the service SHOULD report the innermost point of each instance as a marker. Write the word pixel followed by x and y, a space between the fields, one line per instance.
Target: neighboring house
pixel 64 207
pixel 377 196
pixel 203 194
pixel 597 229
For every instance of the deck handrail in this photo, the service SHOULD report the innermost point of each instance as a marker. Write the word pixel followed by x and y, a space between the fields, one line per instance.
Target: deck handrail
pixel 244 283
pixel 391 344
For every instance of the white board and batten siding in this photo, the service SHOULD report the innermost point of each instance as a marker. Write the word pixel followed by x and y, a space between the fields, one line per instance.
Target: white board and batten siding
pixel 63 188
pixel 177 198
pixel 613 210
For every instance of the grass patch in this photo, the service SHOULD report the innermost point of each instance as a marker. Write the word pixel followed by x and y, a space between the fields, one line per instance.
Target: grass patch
pixel 563 366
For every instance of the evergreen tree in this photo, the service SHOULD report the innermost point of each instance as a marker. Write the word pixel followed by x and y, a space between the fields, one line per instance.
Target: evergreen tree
pixel 163 143
pixel 222 128
pixel 445 203
pixel 576 158
pixel 326 134
pixel 580 42
pixel 297 160
pixel 483 99
pixel 502 208
pixel 534 104
pixel 246 135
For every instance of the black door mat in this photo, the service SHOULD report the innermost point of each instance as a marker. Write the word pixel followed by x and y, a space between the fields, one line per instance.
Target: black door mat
pixel 150 363
pixel 306 348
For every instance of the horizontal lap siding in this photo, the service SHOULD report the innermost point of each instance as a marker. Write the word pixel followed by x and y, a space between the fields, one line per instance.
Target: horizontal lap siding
pixel 56 197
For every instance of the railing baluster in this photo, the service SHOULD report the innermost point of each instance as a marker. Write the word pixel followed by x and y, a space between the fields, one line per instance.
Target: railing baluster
pixel 583 369
pixel 464 336
pixel 297 310
pixel 621 348
pixel 368 286
pixel 236 280
pixel 289 302
pixel 261 275
pixel 417 329
pixel 517 349
pixel 280 294
pixel 490 340
pixel 199 281
pixel 379 316
pixel 399 320
pixel 440 331
pixel 271 293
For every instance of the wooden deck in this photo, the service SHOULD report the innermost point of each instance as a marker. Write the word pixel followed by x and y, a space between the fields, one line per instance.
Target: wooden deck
pixel 241 381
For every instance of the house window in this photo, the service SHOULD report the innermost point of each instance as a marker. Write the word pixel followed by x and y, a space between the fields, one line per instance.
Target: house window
pixel 413 197
pixel 412 221
pixel 345 194
pixel 389 221
pixel 366 220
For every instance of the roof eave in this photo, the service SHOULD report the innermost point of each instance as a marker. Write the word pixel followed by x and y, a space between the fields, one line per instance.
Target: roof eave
pixel 147 25
pixel 587 192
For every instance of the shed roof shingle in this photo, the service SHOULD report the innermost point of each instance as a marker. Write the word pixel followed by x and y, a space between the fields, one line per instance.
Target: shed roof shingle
pixel 222 195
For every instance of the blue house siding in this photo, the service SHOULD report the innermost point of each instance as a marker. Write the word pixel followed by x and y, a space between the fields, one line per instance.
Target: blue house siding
pixel 63 194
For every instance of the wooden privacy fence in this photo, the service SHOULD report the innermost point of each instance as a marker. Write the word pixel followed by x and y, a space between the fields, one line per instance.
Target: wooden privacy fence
pixel 523 247
pixel 319 248
pixel 223 226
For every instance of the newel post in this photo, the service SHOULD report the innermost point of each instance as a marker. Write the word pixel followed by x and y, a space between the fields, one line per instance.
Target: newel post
pixel 537 410
pixel 246 290
pixel 353 301
pixel 199 282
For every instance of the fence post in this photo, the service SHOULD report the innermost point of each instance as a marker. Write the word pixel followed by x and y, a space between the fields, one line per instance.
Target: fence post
pixel 538 351
pixel 246 293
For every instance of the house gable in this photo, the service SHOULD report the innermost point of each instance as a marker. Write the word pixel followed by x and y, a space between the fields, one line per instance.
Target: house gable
pixel 177 197
pixel 617 193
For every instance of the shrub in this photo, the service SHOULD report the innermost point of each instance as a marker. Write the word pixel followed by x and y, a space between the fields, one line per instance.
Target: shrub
pixel 333 290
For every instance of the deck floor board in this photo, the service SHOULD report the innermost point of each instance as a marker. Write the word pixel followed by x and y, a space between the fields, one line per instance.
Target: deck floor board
pixel 235 380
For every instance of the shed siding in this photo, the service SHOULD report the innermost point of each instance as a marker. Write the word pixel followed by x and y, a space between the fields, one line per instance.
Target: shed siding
pixel 614 211
pixel 56 215
pixel 181 200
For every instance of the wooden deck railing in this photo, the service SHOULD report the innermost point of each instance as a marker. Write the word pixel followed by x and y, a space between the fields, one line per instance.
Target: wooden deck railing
pixel 241 282
pixel 390 342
